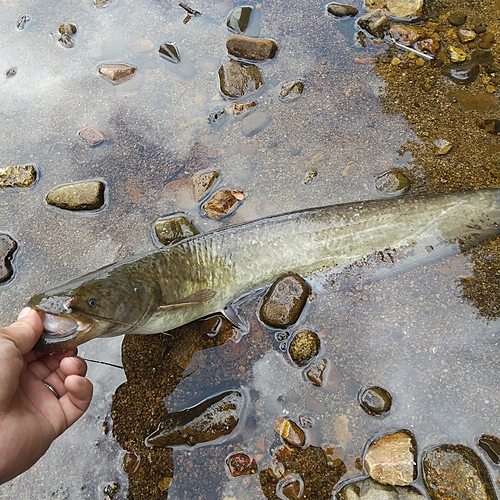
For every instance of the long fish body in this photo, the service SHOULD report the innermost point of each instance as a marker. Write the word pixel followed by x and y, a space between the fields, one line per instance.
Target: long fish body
pixel 200 275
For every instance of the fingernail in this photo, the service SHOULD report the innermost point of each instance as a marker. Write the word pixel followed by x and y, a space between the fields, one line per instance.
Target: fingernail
pixel 24 313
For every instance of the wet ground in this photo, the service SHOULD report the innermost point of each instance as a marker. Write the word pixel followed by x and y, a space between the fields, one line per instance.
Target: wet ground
pixel 433 346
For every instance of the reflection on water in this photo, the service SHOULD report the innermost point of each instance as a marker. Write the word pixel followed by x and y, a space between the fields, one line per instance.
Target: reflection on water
pixel 412 335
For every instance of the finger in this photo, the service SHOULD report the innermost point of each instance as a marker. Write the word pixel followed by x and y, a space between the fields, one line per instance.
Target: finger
pixel 36 355
pixel 77 399
pixel 11 364
pixel 47 363
pixel 25 331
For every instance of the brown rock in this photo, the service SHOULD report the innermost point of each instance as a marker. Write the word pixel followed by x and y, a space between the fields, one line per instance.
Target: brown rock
pixel 376 23
pixel 428 46
pixel 240 108
pixel 238 79
pixel 93 134
pixel 17 176
pixel 405 8
pixel 455 471
pixel 223 203
pixel 340 10
pixel 284 301
pixel 173 229
pixel 391 459
pixel 7 248
pixel 304 346
pixel 254 49
pixel 405 34
pixel 88 195
pixel 202 183
pixel 290 432
pixel 487 40
pixel 291 90
pixel 315 372
pixel 240 464
pixel 117 72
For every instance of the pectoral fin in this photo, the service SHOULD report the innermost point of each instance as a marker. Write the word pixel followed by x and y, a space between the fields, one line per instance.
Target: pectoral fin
pixel 195 298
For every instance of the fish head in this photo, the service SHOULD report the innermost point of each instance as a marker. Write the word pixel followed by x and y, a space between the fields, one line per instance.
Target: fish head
pixel 84 309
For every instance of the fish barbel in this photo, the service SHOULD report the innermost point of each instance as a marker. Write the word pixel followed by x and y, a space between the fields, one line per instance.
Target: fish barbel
pixel 202 274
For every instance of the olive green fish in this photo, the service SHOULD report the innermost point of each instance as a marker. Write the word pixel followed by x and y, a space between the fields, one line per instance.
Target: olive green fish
pixel 202 274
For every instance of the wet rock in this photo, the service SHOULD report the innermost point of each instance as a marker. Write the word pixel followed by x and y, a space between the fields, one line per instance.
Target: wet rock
pixel 7 248
pixel 393 182
pixel 367 489
pixel 217 117
pixel 456 54
pixel 17 176
pixel 93 134
pixel 131 463
pixel 284 301
pixel 239 19
pixel 223 203
pixel 339 10
pixel 455 471
pixel 238 79
pixel 406 34
pixel 463 73
pixel 491 445
pixel 408 9
pixel 291 433
pixel 254 49
pixel 466 35
pixel 111 489
pixel 376 23
pixel 117 72
pixel 443 146
pixel 240 108
pixel 391 459
pixel 202 183
pixel 428 46
pixel 170 52
pixel 212 420
pixel 240 464
pixel 11 72
pixel 316 372
pixel 67 29
pixel 87 195
pixel 491 126
pixel 291 90
pixel 255 123
pixel 173 229
pixel 304 347
pixel 22 21
pixel 457 18
pixel 487 40
pixel 102 4
pixel 375 401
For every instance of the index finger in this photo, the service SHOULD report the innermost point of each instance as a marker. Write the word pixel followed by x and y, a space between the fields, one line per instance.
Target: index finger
pixel 25 331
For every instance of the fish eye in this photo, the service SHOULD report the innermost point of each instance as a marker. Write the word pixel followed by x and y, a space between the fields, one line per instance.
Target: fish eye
pixel 91 302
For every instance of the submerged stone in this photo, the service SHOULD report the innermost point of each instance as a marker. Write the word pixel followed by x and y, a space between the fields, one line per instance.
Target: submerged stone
pixel 455 471
pixel 93 134
pixel 491 126
pixel 291 90
pixel 254 49
pixel 173 229
pixel 67 29
pixel 102 4
pixel 223 203
pixel 240 108
pixel 17 176
pixel 284 301
pixel 8 246
pixel 238 79
pixel 170 52
pixel 316 371
pixel 491 445
pixel 375 401
pixel 239 19
pixel 22 21
pixel 117 72
pixel 291 433
pixel 368 489
pixel 464 73
pixel 255 123
pixel 240 464
pixel 340 10
pixel 391 459
pixel 211 420
pixel 87 195
pixel 304 347
pixel 392 183
pixel 202 183
pixel 376 23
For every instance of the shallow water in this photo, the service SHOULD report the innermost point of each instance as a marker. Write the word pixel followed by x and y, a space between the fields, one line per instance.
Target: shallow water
pixel 413 335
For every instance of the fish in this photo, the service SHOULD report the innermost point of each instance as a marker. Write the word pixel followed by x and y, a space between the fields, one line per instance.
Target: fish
pixel 203 274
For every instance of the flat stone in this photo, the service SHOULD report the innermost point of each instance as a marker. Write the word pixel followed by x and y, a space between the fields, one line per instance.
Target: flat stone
pixel 368 489
pixel 375 401
pixel 304 347
pixel 406 34
pixel 238 79
pixel 291 90
pixel 240 108
pixel 405 8
pixel 93 134
pixel 316 371
pixel 391 459
pixel 254 49
pixel 87 195
pixel 290 432
pixel 457 18
pixel 376 23
pixel 284 301
pixel 170 230
pixel 7 248
pixel 202 183
pixel 17 176
pixel 223 203
pixel 255 123
pixel 456 471
pixel 340 10
pixel 239 19
pixel 117 72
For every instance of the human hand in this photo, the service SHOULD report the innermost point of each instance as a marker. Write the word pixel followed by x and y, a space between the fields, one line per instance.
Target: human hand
pixel 32 414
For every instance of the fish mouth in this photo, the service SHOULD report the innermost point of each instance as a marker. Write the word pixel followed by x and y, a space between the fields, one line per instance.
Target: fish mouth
pixel 62 331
